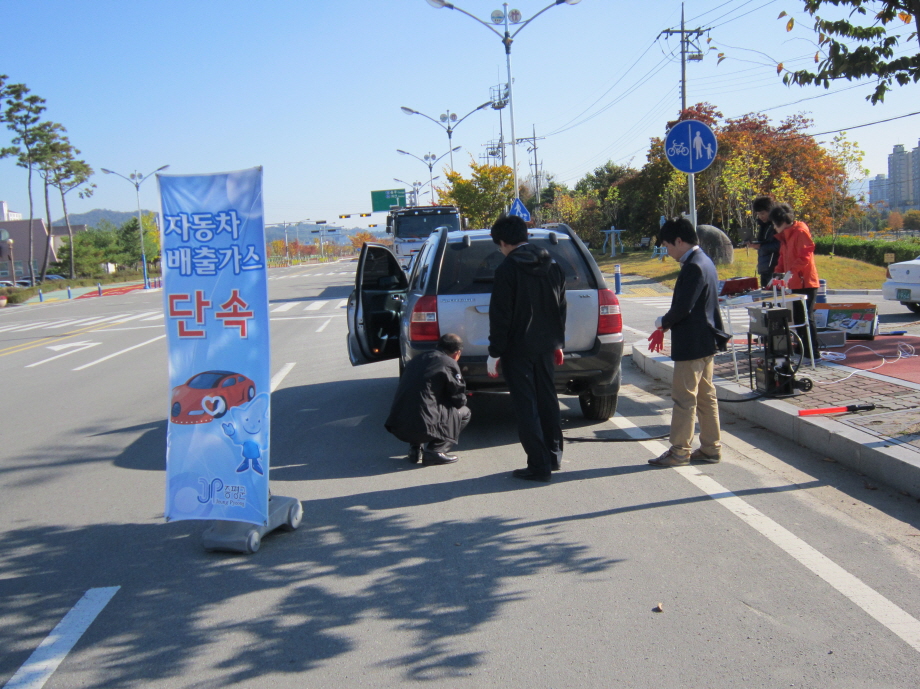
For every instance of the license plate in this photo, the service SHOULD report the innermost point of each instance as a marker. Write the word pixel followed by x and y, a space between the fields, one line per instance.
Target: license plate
pixel 903 295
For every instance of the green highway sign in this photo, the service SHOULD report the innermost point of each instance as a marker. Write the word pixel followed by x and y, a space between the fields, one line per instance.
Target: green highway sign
pixel 382 200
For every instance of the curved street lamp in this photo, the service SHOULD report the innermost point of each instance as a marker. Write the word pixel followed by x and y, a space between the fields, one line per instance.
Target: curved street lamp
pixel 416 186
pixel 430 160
pixel 448 122
pixel 136 178
pixel 505 17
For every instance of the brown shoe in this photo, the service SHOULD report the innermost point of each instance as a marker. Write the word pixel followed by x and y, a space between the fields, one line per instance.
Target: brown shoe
pixel 700 456
pixel 669 459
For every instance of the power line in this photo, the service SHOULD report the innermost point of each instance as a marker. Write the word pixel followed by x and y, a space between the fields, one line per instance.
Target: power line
pixel 860 126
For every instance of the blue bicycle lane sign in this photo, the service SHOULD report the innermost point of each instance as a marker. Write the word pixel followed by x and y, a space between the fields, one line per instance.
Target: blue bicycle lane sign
pixel 691 146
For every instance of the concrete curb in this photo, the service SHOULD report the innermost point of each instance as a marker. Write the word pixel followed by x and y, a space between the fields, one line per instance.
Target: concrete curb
pixel 888 462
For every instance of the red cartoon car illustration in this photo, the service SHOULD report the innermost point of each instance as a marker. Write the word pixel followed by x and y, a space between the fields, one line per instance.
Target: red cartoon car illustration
pixel 208 395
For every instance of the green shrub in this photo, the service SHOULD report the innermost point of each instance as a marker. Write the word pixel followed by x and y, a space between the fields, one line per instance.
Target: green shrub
pixel 869 250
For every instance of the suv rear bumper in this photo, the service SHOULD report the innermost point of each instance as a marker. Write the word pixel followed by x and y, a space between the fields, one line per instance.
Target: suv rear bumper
pixel 596 370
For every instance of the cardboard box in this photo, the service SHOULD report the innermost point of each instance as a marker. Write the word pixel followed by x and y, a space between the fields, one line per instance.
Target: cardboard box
pixel 855 319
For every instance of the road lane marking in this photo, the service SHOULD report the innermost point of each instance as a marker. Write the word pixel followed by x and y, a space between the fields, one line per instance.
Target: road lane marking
pixel 897 620
pixel 278 377
pixel 123 351
pixel 44 339
pixel 135 316
pixel 316 305
pixel 80 347
pixel 154 318
pixel 66 324
pixel 54 648
pixel 301 318
pixel 342 304
pixel 24 326
pixel 135 327
pixel 284 307
pixel 323 326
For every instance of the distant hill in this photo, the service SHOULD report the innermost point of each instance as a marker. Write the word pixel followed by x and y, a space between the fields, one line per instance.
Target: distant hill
pixel 93 217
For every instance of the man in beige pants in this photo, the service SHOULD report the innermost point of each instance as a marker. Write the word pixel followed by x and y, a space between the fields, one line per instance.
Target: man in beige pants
pixel 696 334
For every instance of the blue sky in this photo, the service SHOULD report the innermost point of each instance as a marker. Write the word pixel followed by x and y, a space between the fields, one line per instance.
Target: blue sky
pixel 311 89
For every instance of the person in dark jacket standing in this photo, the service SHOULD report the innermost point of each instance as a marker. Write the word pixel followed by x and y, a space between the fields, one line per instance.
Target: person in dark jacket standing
pixel 526 333
pixel 429 410
pixel 696 334
pixel 767 243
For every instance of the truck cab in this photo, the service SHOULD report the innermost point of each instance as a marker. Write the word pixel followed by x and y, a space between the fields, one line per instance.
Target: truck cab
pixel 410 228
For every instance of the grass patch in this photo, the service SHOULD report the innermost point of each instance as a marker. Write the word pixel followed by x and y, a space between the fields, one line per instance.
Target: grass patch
pixel 840 273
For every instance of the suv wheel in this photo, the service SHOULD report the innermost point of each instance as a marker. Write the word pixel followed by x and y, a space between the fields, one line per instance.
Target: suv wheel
pixel 598 407
pixel 912 305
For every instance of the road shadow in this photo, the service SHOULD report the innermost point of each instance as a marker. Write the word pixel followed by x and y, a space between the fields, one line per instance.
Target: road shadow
pixel 311 590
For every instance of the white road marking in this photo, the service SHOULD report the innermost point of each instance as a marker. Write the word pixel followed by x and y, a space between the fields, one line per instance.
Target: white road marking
pixel 155 318
pixel 342 304
pixel 284 307
pixel 300 318
pixel 133 327
pixel 54 648
pixel 24 326
pixel 278 377
pixel 83 346
pixel 111 356
pixel 323 326
pixel 67 324
pixel 316 305
pixel 135 317
pixel 97 321
pixel 897 620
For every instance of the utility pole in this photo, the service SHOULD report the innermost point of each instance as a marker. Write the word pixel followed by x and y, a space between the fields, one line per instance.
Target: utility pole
pixel 686 35
pixel 532 141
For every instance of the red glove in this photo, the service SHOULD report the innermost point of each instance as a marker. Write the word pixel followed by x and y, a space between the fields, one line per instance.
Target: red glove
pixel 558 357
pixel 656 340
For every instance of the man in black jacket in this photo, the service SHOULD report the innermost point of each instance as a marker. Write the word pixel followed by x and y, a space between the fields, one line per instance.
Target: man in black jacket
pixel 429 410
pixel 527 332
pixel 767 244
pixel 696 334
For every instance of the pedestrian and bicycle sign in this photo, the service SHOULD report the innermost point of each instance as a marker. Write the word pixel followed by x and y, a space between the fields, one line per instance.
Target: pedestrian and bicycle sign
pixel 518 208
pixel 691 146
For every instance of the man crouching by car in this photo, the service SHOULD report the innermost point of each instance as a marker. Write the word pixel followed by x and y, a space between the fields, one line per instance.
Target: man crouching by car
pixel 429 410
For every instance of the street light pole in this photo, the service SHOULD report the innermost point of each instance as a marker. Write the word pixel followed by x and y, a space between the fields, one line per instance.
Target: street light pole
pixel 452 123
pixel 429 160
pixel 137 179
pixel 506 40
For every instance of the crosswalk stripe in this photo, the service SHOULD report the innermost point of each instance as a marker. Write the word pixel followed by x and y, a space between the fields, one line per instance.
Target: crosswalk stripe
pixel 23 326
pixel 284 307
pixel 154 318
pixel 342 304
pixel 316 305
pixel 69 323
pixel 135 317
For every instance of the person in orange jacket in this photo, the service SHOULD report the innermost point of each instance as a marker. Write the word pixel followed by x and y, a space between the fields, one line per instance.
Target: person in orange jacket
pixel 797 265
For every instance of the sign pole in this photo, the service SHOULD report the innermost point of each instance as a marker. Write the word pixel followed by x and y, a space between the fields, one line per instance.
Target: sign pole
pixel 691 189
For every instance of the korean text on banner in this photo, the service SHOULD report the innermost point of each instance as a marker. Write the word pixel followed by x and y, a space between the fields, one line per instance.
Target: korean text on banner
pixel 216 301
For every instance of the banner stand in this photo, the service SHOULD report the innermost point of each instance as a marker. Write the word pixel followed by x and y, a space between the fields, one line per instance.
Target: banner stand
pixel 241 537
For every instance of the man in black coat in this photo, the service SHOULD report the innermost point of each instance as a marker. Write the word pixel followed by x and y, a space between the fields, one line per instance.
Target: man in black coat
pixel 767 244
pixel 429 410
pixel 696 334
pixel 527 332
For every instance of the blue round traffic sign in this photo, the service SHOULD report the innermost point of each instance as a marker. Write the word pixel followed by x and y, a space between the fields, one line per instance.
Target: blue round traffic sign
pixel 691 146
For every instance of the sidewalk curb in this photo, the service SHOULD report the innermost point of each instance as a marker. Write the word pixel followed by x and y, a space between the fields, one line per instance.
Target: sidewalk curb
pixel 889 463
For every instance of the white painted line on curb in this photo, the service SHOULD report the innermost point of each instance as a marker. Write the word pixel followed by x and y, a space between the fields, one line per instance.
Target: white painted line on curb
pixel 111 356
pixel 873 603
pixel 278 377
pixel 323 326
pixel 48 656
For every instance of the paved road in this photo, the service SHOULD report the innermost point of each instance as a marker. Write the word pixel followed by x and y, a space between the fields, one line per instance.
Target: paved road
pixel 774 568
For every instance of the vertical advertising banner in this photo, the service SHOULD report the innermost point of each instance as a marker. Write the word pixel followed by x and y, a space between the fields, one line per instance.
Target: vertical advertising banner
pixel 216 302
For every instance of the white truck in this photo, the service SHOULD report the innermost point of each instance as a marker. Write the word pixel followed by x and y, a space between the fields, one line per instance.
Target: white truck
pixel 410 228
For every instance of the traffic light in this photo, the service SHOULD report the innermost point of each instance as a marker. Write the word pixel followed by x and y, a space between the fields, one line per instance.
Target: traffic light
pixel 374 225
pixel 344 216
pixel 365 215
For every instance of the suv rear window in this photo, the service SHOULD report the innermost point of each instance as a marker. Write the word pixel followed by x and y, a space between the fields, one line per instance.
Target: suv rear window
pixel 420 226
pixel 471 270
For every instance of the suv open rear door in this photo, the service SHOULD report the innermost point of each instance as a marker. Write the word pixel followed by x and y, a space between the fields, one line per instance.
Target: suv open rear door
pixel 375 305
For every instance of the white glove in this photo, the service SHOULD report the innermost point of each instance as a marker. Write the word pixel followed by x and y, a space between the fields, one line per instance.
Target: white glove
pixel 658 322
pixel 492 367
pixel 787 277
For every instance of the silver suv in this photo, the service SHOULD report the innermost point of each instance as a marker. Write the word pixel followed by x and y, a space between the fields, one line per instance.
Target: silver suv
pixel 394 315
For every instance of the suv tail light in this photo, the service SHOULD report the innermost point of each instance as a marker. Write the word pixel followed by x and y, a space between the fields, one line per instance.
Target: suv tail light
pixel 609 320
pixel 423 325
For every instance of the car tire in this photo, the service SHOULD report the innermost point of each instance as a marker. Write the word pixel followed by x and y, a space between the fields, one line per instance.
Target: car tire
pixel 597 407
pixel 253 541
pixel 912 305
pixel 224 412
pixel 250 392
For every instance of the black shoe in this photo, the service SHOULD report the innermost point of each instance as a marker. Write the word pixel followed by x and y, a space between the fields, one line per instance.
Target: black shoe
pixel 433 458
pixel 415 454
pixel 530 475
